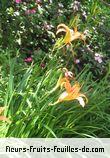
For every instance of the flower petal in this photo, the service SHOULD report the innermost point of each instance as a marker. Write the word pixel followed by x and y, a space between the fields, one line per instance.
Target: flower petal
pixel 67 86
pixel 68 37
pixel 63 26
pixel 63 96
pixel 60 99
pixel 82 95
pixel 60 30
pixel 76 88
pixel 81 101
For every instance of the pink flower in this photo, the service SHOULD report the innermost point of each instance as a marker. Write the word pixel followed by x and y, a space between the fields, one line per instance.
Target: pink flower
pixel 27 11
pixel 33 11
pixel 30 11
pixel 28 60
pixel 18 1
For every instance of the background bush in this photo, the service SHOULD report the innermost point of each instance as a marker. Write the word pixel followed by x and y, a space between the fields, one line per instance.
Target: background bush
pixel 30 27
pixel 28 30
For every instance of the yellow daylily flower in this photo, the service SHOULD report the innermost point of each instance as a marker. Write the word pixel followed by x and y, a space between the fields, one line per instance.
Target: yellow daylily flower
pixel 72 93
pixel 3 118
pixel 70 35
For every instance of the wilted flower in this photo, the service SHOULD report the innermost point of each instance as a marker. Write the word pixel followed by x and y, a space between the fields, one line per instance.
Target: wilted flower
pixel 68 74
pixel 18 1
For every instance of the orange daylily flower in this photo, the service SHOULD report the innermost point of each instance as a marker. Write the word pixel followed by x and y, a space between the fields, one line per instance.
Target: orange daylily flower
pixel 3 118
pixel 72 93
pixel 63 80
pixel 70 35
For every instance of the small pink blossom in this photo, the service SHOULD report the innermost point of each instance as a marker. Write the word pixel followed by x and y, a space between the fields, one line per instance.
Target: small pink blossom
pixel 28 60
pixel 30 11
pixel 18 1
pixel 33 11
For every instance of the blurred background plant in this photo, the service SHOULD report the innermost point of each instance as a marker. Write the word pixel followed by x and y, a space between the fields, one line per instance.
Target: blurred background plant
pixel 30 27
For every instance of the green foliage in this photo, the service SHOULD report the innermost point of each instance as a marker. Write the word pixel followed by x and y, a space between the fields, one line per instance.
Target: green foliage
pixel 26 100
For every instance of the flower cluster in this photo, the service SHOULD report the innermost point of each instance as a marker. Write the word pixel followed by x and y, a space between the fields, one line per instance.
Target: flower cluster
pixel 98 57
pixel 76 6
pixel 30 11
